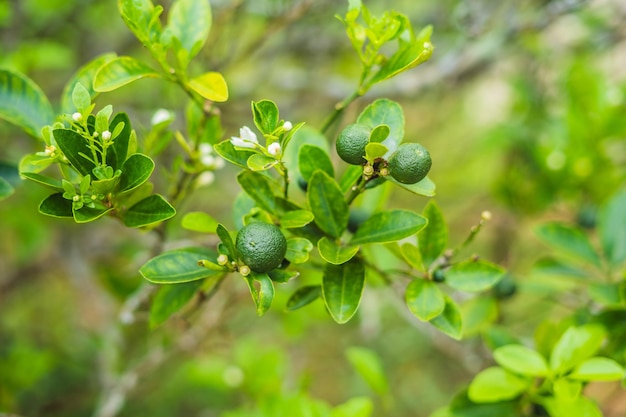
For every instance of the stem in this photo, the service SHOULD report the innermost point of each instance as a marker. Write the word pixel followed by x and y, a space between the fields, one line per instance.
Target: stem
pixel 339 109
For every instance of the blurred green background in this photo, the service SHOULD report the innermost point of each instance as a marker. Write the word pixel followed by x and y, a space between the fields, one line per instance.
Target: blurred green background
pixel 522 107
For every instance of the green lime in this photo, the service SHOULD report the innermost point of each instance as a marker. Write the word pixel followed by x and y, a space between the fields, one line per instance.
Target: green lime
pixel 410 163
pixel 262 246
pixel 351 143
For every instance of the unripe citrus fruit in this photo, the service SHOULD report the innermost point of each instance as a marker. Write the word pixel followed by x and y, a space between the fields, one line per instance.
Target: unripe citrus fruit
pixel 262 246
pixel 410 163
pixel 351 143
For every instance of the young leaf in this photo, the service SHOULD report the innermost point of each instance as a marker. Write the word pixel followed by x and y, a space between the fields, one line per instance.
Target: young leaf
pixel 411 254
pixel 334 253
pixel 385 112
pixel 568 407
pixel 171 298
pixel 23 103
pixel 139 16
pixel 374 151
pixel 496 384
pixel 570 240
pixel 598 369
pixel 449 321
pixel 227 240
pixel 121 71
pixel 265 113
pixel 434 238
pixel 239 157
pixel 405 58
pixel 298 249
pixel 152 209
pixel 473 276
pixel 85 76
pixel 264 294
pixel 424 188
pixel 189 21
pixel 521 360
pixel 211 86
pixel 613 229
pixel 342 287
pixel 135 171
pixel 73 145
pixel 260 162
pixel 354 407
pixel 369 366
pixel 574 346
pixel 311 158
pixel 327 204
pixel 388 226
pixel 81 99
pixel 296 218
pixel 261 188
pixel 303 296
pixel 479 314
pixel 180 265
pixel 424 299
pixel 53 183
pixel 56 206
pixel 199 222
pixel 379 133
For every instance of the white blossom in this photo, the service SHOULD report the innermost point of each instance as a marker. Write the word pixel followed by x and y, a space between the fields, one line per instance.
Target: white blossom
pixel 160 116
pixel 274 149
pixel 246 139
pixel 106 135
pixel 287 126
pixel 77 117
pixel 206 178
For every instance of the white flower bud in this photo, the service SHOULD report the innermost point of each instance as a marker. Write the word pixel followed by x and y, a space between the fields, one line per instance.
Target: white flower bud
pixel 219 163
pixel 160 116
pixel 49 151
pixel 486 215
pixel 274 149
pixel 77 117
pixel 287 126
pixel 106 135
pixel 206 178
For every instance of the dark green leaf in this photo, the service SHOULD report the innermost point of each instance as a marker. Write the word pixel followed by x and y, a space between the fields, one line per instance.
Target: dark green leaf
pixel 211 86
pixel 265 114
pixel 152 209
pixel 327 204
pixel 56 206
pixel 342 287
pixel 349 177
pixel 189 21
pixel 388 226
pixel 434 238
pixel 105 186
pixel 85 75
pixel 23 103
pixel 73 145
pixel 449 321
pixel 135 171
pixel 53 183
pixel 6 189
pixel 335 253
pixel 424 188
pixel 570 240
pixel 87 214
pixel 238 157
pixel 311 158
pixel 296 219
pixel 199 222
pixel 473 276
pixel 385 112
pixel 303 296
pixel 424 299
pixel 261 188
pixel 282 276
pixel 227 240
pixel 177 266
pixel 369 366
pixel 263 295
pixel 613 229
pixel 171 298
pixel 496 384
pixel 121 71
pixel 117 154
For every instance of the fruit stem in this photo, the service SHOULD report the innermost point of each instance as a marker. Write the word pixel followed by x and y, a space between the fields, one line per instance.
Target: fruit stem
pixel 356 189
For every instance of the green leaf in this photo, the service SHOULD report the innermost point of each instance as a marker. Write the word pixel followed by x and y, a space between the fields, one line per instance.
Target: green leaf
pixel 411 254
pixel 189 21
pixel 296 218
pixel 227 240
pixel 311 158
pixel 117 154
pixel 388 226
pixel 135 171
pixel 335 253
pixel 565 388
pixel 612 221
pixel 570 240
pixel 85 76
pixel 199 222
pixel 81 99
pixel 121 71
pixel 177 266
pixel 374 151
pixel 479 314
pixel 449 321
pixel 73 145
pixel 496 384
pixel 598 369
pixel 239 157
pixel 264 294
pixel 303 296
pixel 105 186
pixel 424 299
pixel 566 407
pixel 6 189
pixel 171 298
pixel 434 238
pixel 473 276
pixel 606 294
pixel 211 86
pixel 265 113
pixel 349 177
pixel 141 17
pixel 574 346
pixel 261 188
pixel 385 112
pixel 521 360
pixel 342 287
pixel 556 268
pixel 424 188
pixel 56 206
pixel 298 249
pixel 354 407
pixel 407 57
pixel 369 366
pixel 88 214
pixel 53 183
pixel 327 204
pixel 152 209
pixel 260 162
pixel 282 276
pixel 379 133
pixel 23 103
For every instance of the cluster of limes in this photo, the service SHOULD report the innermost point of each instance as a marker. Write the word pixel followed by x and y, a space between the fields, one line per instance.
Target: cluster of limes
pixel 409 164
